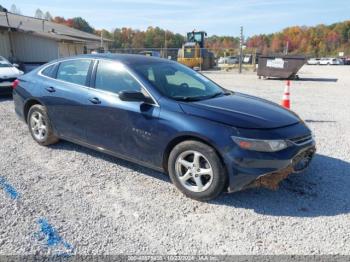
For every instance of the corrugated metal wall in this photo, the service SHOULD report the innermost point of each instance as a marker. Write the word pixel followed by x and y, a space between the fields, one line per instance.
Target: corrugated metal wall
pixel 70 49
pixel 94 45
pixel 5 50
pixel 31 48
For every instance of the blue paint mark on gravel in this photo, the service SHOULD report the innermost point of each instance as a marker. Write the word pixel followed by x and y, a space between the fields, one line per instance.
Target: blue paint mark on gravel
pixel 53 238
pixel 10 190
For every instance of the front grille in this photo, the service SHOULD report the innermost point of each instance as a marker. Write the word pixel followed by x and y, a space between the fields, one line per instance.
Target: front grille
pixel 7 79
pixel 301 139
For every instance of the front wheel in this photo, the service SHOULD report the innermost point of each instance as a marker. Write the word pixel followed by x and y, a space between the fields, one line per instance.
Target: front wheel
pixel 196 170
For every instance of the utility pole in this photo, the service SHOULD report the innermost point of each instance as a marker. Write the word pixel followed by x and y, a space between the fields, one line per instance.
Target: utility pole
pixel 9 33
pixel 165 45
pixel 101 40
pixel 241 51
pixel 286 48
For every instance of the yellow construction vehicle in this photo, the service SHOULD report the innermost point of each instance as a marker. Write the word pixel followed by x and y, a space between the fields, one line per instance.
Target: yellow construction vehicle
pixel 194 54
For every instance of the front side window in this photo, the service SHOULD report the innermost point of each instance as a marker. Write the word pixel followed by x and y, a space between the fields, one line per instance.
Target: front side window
pixel 178 82
pixel 113 77
pixel 74 71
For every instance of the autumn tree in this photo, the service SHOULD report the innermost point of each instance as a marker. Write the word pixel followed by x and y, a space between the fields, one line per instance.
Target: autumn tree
pixel 320 40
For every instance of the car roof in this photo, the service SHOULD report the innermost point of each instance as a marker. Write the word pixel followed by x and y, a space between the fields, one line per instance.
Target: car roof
pixel 129 59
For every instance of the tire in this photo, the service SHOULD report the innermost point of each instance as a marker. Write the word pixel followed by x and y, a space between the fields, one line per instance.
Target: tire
pixel 40 126
pixel 197 181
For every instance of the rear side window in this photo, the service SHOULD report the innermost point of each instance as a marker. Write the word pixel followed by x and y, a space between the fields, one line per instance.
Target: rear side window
pixel 48 71
pixel 74 71
pixel 113 77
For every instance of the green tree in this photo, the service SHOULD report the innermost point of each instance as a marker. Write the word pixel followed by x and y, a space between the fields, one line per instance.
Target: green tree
pixel 15 10
pixel 48 16
pixel 81 24
pixel 39 14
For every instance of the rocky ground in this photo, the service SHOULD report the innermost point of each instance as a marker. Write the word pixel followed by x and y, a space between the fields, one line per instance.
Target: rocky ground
pixel 66 199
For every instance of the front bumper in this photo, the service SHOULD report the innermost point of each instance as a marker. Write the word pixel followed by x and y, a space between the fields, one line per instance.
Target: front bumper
pixel 298 164
pixel 258 169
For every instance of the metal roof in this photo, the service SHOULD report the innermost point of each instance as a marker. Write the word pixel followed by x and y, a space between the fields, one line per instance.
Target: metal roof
pixel 46 28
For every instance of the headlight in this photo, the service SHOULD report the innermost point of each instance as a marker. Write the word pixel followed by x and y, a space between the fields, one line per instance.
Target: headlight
pixel 260 145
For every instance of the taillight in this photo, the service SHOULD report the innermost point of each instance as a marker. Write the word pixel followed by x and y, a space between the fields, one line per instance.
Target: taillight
pixel 15 84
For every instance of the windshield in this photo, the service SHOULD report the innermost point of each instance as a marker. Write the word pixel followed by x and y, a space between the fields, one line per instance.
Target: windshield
pixel 179 82
pixel 5 64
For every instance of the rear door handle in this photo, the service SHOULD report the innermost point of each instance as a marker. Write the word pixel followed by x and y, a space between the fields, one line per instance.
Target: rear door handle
pixel 95 100
pixel 50 89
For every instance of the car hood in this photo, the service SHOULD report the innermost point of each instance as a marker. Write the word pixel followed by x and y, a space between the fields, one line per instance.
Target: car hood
pixel 243 111
pixel 9 72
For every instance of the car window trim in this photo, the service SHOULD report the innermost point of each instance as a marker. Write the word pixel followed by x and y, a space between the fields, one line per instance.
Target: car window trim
pixel 88 77
pixel 93 75
pixel 87 80
pixel 93 78
pixel 56 69
pixel 92 81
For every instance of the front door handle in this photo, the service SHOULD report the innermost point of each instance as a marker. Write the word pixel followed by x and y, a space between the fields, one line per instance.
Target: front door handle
pixel 50 89
pixel 95 100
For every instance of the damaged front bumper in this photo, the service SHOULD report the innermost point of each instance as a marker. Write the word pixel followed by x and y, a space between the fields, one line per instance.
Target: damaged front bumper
pixel 269 173
pixel 298 164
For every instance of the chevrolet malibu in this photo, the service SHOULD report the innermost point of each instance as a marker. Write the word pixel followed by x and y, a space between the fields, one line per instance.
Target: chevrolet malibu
pixel 163 115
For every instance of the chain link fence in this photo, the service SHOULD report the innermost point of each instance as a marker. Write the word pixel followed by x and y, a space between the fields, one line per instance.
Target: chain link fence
pixel 199 58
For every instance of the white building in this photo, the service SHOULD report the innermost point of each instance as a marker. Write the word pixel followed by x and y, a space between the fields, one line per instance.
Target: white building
pixel 30 40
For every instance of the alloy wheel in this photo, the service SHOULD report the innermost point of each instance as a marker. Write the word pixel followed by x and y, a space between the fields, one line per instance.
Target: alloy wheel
pixel 38 125
pixel 194 171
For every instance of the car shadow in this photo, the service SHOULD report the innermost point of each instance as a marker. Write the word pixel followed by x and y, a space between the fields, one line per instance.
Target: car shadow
pixel 316 79
pixel 319 121
pixel 307 79
pixel 322 190
pixel 4 98
pixel 68 146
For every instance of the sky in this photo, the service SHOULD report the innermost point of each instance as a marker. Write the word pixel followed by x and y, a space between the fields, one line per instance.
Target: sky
pixel 223 17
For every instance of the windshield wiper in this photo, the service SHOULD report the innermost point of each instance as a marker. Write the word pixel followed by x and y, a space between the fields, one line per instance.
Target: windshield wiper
pixel 187 98
pixel 198 98
pixel 216 94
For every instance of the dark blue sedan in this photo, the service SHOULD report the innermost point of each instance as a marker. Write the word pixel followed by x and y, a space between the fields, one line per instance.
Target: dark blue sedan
pixel 165 116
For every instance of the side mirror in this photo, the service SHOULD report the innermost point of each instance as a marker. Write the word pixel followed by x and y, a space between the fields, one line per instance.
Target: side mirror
pixel 134 96
pixel 16 65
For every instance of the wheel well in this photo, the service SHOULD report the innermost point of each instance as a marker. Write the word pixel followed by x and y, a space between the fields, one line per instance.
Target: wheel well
pixel 179 140
pixel 28 105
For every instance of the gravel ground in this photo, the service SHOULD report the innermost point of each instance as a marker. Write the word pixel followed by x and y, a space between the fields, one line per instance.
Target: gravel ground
pixel 74 200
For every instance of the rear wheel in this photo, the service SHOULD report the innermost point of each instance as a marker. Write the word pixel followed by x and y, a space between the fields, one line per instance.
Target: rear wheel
pixel 196 170
pixel 40 126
